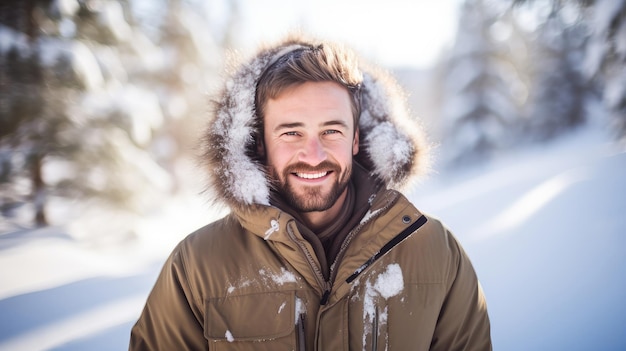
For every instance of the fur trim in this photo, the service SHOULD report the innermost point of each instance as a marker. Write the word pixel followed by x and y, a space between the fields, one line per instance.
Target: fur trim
pixel 392 145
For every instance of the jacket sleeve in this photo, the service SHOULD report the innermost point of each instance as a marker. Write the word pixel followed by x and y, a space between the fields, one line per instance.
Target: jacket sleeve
pixel 171 319
pixel 463 322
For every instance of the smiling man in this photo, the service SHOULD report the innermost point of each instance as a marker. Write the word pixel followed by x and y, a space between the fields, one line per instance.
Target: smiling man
pixel 309 147
pixel 310 139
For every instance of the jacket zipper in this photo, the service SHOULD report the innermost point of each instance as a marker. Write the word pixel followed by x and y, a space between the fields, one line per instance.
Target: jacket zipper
pixel 325 285
pixel 388 246
pixel 301 337
pixel 354 232
pixel 375 331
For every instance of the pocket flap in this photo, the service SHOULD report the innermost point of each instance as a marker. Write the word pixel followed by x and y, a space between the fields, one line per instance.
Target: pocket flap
pixel 262 316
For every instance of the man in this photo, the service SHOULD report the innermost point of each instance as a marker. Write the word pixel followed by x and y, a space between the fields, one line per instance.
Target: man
pixel 306 146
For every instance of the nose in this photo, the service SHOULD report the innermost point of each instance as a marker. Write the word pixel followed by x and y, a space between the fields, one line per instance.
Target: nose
pixel 313 152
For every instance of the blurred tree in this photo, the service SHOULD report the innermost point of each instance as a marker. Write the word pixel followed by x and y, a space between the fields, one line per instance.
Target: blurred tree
pixel 519 74
pixel 606 56
pixel 70 126
pixel 478 107
pixel 192 61
pixel 558 92
pixel 605 50
pixel 100 98
pixel 21 102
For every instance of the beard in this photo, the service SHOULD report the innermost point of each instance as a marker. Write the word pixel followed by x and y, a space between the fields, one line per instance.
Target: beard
pixel 310 198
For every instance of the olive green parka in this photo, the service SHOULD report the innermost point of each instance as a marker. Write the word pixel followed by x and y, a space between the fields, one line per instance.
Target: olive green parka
pixel 250 281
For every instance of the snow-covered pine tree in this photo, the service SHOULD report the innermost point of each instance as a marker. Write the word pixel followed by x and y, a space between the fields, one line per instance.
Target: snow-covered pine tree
pixel 192 61
pixel 29 118
pixel 605 52
pixel 478 109
pixel 86 136
pixel 606 57
pixel 558 91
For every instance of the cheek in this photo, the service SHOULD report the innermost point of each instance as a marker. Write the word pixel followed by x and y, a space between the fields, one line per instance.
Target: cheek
pixel 345 155
pixel 277 156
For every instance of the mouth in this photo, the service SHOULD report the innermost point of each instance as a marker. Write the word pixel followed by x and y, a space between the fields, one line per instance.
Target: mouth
pixel 316 175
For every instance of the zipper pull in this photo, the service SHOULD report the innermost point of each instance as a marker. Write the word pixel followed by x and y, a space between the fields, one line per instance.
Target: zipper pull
pixel 325 296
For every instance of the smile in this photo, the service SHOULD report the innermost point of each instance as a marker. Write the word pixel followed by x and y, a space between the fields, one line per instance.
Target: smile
pixel 311 175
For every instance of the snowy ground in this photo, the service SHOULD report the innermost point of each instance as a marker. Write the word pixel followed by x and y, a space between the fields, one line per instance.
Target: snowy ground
pixel 545 229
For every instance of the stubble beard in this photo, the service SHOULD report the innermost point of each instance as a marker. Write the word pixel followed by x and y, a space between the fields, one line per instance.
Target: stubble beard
pixel 310 198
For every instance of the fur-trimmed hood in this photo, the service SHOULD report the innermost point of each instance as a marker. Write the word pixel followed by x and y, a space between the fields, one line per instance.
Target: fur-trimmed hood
pixel 392 146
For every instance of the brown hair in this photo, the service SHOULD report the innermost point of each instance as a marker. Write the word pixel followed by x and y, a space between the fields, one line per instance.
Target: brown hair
pixel 307 63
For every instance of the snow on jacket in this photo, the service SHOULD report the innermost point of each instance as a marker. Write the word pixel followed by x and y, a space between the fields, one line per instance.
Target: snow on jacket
pixel 250 281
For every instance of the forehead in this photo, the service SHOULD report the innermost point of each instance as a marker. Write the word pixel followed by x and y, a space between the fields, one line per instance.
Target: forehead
pixel 309 102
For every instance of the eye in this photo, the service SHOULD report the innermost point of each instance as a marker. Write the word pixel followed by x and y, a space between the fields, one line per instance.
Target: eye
pixel 290 135
pixel 332 131
pixel 332 134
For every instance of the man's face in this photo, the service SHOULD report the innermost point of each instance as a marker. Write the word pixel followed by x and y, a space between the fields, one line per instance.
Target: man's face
pixel 309 143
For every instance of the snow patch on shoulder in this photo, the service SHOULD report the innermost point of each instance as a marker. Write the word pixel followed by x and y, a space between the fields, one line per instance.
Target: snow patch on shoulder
pixel 390 283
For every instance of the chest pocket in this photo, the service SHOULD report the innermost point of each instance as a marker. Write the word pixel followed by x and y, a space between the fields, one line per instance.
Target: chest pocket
pixel 263 321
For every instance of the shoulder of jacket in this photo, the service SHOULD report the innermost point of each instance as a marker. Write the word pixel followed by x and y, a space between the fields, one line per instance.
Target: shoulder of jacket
pixel 434 234
pixel 215 234
pixel 439 230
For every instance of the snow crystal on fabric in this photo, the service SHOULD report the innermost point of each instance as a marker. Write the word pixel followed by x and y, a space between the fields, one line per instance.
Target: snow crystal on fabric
pixel 242 284
pixel 264 278
pixel 300 310
pixel 388 284
pixel 369 215
pixel 282 307
pixel 284 277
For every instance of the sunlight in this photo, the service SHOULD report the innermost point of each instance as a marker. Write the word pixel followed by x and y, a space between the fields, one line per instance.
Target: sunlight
pixel 43 265
pixel 393 33
pixel 159 233
pixel 529 204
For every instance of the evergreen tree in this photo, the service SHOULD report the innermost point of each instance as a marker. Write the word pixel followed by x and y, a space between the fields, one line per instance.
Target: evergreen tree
pixel 74 129
pixel 478 108
pixel 558 91
pixel 192 62
pixel 606 57
pixel 604 51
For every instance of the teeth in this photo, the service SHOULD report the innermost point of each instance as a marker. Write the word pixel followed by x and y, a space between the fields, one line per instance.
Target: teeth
pixel 311 175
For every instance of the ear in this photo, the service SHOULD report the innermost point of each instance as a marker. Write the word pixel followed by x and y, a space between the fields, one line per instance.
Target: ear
pixel 355 143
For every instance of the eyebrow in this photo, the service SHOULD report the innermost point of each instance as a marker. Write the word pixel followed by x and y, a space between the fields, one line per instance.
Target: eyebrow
pixel 289 125
pixel 301 124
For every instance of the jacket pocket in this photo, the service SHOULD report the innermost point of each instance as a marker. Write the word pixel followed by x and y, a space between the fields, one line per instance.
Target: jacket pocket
pixel 263 321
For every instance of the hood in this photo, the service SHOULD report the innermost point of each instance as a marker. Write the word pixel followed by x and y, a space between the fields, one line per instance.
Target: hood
pixel 392 146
